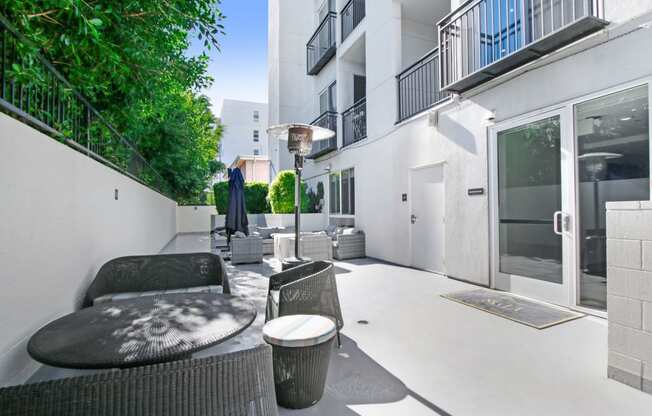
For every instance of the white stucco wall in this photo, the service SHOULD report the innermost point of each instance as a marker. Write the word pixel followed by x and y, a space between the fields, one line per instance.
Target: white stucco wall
pixel 291 23
pixel 194 219
pixel 383 161
pixel 60 223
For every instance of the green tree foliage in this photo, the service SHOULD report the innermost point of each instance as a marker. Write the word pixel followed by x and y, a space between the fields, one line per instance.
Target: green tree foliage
pixel 281 194
pixel 129 58
pixel 255 197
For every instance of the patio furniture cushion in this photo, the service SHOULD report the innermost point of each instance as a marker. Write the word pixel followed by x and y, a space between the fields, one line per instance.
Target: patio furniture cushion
pixel 110 297
pixel 296 331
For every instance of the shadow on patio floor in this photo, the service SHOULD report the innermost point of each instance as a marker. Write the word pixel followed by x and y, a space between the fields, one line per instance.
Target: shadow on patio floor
pixel 355 379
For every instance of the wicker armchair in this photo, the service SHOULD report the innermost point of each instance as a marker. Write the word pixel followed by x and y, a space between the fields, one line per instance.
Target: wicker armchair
pixel 158 273
pixel 310 289
pixel 234 384
pixel 349 246
pixel 246 250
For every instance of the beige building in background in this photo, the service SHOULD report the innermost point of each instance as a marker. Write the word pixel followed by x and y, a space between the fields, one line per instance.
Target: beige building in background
pixel 254 168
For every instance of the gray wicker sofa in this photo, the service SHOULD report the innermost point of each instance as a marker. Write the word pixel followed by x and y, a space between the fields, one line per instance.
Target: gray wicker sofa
pixel 132 276
pixel 235 384
pixel 310 289
pixel 267 234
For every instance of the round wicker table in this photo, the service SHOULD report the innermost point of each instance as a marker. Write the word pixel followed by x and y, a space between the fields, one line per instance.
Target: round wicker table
pixel 301 346
pixel 141 331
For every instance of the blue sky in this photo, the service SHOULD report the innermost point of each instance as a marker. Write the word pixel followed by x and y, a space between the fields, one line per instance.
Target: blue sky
pixel 240 69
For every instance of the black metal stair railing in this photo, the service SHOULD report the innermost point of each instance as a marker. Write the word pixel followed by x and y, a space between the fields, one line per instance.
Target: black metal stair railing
pixel 34 92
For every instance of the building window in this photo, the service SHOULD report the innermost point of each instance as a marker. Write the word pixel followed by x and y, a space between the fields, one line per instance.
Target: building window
pixel 256 152
pixel 256 135
pixel 342 192
pixel 328 99
pixel 256 116
pixel 335 193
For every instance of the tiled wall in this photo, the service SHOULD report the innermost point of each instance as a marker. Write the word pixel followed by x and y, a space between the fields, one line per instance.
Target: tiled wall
pixel 629 288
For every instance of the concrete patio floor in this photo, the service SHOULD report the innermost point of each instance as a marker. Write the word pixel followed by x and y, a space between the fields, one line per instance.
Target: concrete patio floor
pixel 420 354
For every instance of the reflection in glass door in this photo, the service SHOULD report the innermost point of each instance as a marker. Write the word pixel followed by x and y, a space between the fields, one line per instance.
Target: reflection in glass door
pixel 529 195
pixel 532 208
pixel 613 164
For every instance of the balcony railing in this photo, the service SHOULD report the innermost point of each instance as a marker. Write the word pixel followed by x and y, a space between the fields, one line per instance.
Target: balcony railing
pixel 328 120
pixel 33 91
pixel 418 87
pixel 322 45
pixel 354 123
pixel 352 14
pixel 487 38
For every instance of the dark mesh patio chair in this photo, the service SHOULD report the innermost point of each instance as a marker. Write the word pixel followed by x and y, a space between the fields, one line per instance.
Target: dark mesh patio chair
pixel 234 384
pixel 158 273
pixel 310 289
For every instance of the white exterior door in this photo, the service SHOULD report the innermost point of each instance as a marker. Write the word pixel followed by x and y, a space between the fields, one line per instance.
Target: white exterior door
pixel 427 218
pixel 533 188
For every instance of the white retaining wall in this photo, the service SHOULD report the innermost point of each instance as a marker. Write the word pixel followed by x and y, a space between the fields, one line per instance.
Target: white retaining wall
pixel 194 219
pixel 309 222
pixel 60 223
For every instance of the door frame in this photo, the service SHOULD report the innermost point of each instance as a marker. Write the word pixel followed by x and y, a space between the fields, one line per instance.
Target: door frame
pixel 550 292
pixel 411 172
pixel 570 107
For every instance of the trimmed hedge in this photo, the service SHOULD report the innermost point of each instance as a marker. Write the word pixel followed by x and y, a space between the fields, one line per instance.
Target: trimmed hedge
pixel 281 194
pixel 255 197
pixel 221 191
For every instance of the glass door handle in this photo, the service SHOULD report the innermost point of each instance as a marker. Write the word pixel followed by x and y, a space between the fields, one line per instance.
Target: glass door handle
pixel 559 222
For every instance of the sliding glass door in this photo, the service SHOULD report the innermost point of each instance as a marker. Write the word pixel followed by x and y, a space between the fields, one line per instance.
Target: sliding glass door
pixel 613 164
pixel 552 175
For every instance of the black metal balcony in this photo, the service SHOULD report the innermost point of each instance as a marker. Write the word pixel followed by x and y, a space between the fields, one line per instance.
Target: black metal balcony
pixel 327 120
pixel 418 86
pixel 354 123
pixel 352 14
pixel 322 45
pixel 484 39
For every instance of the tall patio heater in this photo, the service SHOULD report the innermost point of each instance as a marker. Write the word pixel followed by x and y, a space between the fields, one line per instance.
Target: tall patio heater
pixel 300 138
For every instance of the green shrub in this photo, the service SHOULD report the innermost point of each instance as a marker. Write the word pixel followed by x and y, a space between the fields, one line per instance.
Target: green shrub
pixel 281 194
pixel 255 197
pixel 221 191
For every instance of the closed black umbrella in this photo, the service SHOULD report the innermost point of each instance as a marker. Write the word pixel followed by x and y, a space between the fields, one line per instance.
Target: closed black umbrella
pixel 236 214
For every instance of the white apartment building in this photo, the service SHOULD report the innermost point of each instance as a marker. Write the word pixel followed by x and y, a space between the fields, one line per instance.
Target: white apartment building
pixel 245 131
pixel 478 139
